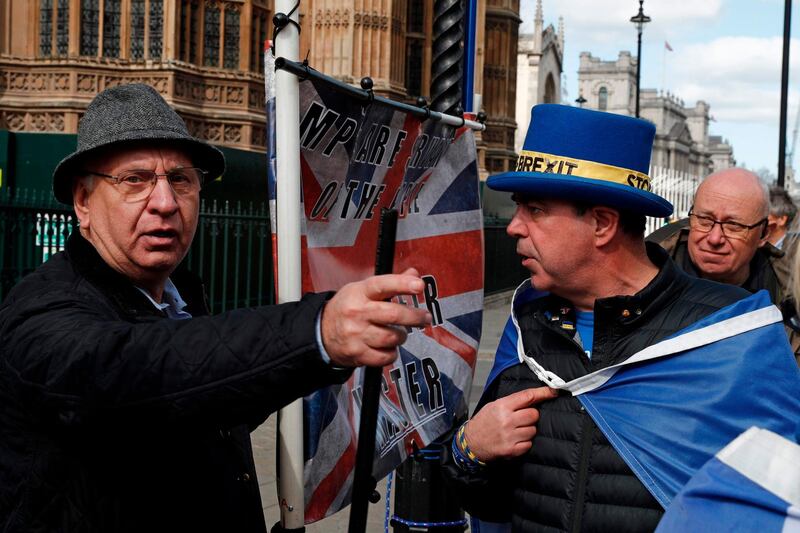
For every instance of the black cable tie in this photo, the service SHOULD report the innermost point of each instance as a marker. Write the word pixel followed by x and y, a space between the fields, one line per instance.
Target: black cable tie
pixel 459 111
pixel 422 102
pixel 280 21
pixel 367 84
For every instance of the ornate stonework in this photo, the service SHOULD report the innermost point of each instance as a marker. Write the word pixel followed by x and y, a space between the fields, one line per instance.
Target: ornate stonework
pixel 42 92
pixel 47 121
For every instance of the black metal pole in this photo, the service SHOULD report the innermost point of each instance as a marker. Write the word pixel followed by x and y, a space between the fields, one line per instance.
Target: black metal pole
pixel 422 503
pixel 448 56
pixel 787 23
pixel 638 69
pixel 363 480
pixel 304 72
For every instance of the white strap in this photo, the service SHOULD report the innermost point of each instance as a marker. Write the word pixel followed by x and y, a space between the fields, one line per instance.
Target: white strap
pixel 700 337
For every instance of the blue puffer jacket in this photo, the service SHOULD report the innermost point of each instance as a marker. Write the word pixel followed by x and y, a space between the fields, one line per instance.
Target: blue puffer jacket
pixel 572 479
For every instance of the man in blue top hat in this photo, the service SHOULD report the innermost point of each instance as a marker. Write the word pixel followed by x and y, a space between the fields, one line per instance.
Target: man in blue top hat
pixel 596 295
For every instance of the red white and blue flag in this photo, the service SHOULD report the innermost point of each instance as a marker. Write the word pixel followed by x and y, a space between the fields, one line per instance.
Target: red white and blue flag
pixel 357 158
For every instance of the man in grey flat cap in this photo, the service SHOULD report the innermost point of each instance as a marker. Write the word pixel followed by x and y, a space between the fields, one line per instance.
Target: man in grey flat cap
pixel 125 407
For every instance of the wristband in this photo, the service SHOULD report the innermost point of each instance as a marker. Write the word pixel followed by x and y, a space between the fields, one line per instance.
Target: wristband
pixel 464 457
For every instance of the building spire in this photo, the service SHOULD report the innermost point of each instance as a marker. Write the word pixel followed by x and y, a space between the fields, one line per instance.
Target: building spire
pixel 561 35
pixel 538 28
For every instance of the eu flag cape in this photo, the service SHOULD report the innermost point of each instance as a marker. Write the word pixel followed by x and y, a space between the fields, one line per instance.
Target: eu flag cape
pixel 753 484
pixel 670 407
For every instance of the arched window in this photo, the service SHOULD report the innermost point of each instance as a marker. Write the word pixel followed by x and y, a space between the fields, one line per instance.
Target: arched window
pixel 550 90
pixel 602 99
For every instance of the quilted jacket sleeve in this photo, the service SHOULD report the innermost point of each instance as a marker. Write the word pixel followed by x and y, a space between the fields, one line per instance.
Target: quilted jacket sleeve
pixel 71 365
pixel 485 494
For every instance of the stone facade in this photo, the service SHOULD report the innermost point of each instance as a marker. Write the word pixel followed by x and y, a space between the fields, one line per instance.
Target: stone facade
pixel 682 140
pixel 205 57
pixel 539 66
pixel 721 153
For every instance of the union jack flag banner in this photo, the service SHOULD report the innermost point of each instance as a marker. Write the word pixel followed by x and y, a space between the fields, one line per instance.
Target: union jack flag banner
pixel 356 158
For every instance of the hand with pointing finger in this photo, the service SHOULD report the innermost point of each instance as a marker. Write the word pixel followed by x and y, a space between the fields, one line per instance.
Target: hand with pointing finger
pixel 505 427
pixel 360 328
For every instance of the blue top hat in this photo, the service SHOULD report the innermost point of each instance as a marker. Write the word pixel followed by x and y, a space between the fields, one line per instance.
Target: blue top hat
pixel 586 156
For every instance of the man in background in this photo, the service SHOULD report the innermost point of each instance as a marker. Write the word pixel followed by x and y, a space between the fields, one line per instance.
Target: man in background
pixel 781 214
pixel 726 236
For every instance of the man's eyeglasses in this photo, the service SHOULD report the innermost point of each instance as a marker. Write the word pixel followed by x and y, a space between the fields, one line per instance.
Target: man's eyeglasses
pixel 731 230
pixel 136 185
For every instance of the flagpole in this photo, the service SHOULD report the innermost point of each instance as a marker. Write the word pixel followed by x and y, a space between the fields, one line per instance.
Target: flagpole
pixel 287 151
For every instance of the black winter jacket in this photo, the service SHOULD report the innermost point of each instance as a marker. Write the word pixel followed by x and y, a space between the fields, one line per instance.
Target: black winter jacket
pixel 572 479
pixel 114 418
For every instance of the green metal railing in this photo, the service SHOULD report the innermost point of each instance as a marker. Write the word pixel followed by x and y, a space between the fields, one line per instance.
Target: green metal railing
pixel 33 226
pixel 231 251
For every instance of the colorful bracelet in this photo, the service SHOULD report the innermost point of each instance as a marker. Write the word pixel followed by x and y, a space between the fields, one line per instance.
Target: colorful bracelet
pixel 464 457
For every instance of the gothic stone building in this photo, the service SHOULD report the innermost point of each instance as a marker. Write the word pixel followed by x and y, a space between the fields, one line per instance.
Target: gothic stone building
pixel 205 57
pixel 539 65
pixel 682 140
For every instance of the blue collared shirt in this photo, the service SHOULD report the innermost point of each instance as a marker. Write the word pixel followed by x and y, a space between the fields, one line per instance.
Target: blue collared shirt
pixel 172 303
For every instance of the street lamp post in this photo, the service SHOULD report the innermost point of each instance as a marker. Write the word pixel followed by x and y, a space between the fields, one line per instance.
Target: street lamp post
pixel 580 100
pixel 639 20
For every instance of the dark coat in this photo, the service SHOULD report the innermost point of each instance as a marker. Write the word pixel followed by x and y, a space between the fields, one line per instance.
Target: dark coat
pixel 115 418
pixel 572 479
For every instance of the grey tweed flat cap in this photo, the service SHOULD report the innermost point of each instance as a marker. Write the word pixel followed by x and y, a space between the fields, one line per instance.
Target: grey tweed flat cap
pixel 131 113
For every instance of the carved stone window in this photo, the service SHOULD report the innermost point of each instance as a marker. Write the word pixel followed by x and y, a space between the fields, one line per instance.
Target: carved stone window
pixel 90 24
pixel 211 40
pixel 258 36
pixel 137 29
pixel 156 24
pixel 231 50
pixel 62 28
pixel 112 21
pixel 416 16
pixel 53 27
pixel 189 28
pixel 415 48
pixel 45 28
pixel 602 99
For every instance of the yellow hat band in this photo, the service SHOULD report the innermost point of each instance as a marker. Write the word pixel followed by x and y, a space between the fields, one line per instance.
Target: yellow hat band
pixel 567 166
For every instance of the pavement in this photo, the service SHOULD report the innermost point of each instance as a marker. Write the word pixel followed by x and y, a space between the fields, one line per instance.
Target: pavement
pixel 495 314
